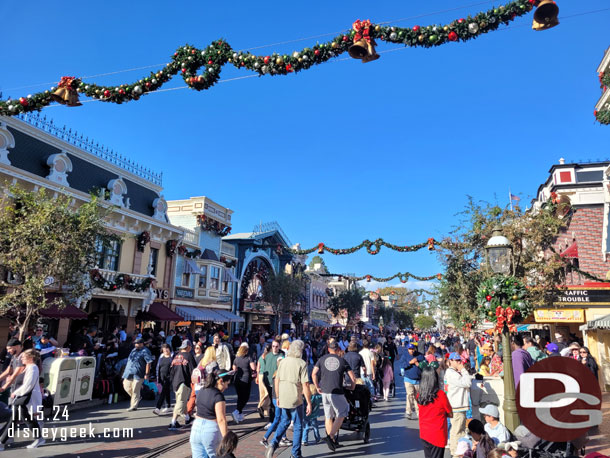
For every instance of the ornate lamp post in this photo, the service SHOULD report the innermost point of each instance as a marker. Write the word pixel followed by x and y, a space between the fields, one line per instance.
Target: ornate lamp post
pixel 499 260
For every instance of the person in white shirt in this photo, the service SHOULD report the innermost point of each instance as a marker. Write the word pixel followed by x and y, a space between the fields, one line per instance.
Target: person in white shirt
pixel 457 381
pixel 368 375
pixel 494 429
pixel 223 355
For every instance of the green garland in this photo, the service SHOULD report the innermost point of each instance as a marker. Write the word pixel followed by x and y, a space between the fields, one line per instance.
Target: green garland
pixel 373 247
pixel 188 60
pixel 603 116
pixel 501 292
pixel 121 281
pixel 402 277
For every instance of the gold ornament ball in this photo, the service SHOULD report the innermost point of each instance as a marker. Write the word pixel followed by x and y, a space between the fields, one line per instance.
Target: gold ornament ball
pixel 300 59
pixel 490 313
pixel 515 297
pixel 421 38
pixel 335 45
pixel 377 28
pixel 446 28
pixel 279 61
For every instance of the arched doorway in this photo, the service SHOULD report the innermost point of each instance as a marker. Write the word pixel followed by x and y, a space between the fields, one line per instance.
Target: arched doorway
pixel 259 315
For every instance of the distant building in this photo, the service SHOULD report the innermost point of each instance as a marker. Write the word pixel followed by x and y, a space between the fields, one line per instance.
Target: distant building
pixel 603 104
pixel 318 296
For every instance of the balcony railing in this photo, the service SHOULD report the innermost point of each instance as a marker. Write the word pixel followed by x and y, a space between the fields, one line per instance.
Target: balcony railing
pixel 110 276
pixel 227 249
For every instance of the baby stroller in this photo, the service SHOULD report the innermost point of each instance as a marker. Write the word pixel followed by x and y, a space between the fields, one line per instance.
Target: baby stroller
pixel 360 405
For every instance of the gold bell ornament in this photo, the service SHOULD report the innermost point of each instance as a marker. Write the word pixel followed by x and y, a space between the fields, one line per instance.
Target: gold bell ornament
pixel 66 92
pixel 364 50
pixel 545 16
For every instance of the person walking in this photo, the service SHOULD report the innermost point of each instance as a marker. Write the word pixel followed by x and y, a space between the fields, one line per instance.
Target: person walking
pixel 209 356
pixel 531 346
pixel 210 424
pixel 136 371
pixel 271 366
pixel 368 372
pixel 164 364
pixel 457 382
pixel 589 361
pixel 521 358
pixel 180 373
pixel 245 370
pixel 13 375
pixel 26 401
pixel 264 399
pixel 412 374
pixel 328 377
pixel 291 384
pixel 223 354
pixel 434 409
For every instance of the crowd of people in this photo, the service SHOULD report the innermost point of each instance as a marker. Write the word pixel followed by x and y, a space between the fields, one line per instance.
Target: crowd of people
pixel 298 380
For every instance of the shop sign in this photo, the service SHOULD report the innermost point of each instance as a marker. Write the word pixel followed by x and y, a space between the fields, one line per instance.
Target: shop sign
pixel 185 293
pixel 258 307
pixel 584 296
pixel 162 294
pixel 559 316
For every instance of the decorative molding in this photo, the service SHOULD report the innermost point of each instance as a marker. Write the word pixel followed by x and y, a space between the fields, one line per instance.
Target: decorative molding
pixel 118 189
pixel 6 141
pixel 160 207
pixel 60 165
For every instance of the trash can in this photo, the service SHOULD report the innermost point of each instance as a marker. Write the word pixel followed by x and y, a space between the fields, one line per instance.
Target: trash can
pixel 85 375
pixel 62 379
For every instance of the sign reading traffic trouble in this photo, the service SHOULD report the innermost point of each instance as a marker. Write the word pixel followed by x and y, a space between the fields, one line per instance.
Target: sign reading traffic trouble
pixel 583 296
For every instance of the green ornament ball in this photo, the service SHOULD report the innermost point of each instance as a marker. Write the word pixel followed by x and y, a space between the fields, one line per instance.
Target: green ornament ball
pixel 433 38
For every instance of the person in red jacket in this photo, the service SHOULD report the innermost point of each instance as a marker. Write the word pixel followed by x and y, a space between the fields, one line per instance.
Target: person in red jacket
pixel 434 409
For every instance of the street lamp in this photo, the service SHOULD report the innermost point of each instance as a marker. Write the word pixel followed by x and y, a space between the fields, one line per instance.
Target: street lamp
pixel 499 259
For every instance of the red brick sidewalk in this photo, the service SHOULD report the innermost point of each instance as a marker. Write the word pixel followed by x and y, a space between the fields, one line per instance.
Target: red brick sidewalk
pixel 600 440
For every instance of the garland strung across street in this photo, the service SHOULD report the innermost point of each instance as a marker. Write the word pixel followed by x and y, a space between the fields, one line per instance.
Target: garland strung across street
pixel 200 68
pixel 402 277
pixel 603 115
pixel 373 247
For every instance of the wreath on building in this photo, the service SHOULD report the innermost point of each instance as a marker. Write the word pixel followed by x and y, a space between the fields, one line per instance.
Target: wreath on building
pixel 143 240
pixel 170 247
pixel 503 300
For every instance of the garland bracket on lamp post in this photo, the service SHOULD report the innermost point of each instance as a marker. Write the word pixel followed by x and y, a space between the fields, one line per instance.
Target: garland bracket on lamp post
pixel 499 260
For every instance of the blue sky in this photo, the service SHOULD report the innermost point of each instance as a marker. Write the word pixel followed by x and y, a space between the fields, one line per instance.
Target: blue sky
pixel 343 151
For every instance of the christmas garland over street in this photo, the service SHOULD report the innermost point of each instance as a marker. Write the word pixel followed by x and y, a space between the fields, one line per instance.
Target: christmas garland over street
pixel 603 116
pixel 402 277
pixel 189 60
pixel 372 247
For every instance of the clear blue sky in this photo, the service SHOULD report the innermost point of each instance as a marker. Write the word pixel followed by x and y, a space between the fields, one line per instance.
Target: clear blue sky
pixel 343 151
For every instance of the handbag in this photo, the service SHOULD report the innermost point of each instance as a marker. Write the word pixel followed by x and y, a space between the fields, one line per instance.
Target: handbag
pixel 20 400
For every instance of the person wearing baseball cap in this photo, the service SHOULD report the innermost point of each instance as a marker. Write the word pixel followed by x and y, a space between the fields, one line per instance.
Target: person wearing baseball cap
pixel 180 372
pixel 494 429
pixel 458 383
pixel 411 373
pixel 552 349
pixel 136 371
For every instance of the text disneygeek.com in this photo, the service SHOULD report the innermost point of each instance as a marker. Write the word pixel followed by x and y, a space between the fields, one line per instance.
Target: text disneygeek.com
pixel 59 433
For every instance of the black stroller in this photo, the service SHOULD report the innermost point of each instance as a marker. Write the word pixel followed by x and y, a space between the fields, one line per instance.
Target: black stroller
pixel 360 405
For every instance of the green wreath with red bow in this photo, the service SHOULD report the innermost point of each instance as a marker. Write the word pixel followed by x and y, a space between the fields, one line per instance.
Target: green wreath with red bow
pixel 503 300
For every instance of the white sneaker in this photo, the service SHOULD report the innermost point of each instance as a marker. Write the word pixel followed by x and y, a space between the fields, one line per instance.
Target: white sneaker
pixel 37 443
pixel 291 426
pixel 235 415
pixel 241 417
pixel 267 426
pixel 157 412
pixel 165 409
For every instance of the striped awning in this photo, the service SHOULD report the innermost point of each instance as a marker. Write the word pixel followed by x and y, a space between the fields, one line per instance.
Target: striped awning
pixel 319 323
pixel 199 314
pixel 227 275
pixel 523 327
pixel 191 267
pixel 599 323
pixel 229 316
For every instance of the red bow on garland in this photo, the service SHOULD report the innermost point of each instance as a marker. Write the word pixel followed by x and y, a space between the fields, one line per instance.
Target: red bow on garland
pixel 505 316
pixel 66 81
pixel 362 29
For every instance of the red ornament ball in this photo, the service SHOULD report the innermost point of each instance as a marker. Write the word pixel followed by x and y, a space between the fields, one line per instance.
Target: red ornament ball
pixel 345 38
pixel 317 52
pixel 183 71
pixel 288 68
pixel 488 298
pixel 23 101
pixel 452 36
pixel 266 59
pixel 175 54
pixel 416 28
pixel 106 93
pixel 461 20
pixel 148 84
pixel 121 91
pixel 193 51
pixel 210 62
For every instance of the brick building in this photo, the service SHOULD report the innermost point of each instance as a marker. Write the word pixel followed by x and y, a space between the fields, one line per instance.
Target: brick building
pixel 583 193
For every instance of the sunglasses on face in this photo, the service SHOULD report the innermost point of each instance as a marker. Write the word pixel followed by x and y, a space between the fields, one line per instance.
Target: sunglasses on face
pixel 583 352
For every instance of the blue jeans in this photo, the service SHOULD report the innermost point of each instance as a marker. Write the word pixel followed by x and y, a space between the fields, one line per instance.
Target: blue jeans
pixel 295 415
pixel 310 425
pixel 276 420
pixel 369 384
pixel 205 437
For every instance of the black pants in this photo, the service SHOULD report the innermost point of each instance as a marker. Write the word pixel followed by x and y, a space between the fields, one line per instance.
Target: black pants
pixel 243 394
pixel 166 391
pixel 20 413
pixel 432 451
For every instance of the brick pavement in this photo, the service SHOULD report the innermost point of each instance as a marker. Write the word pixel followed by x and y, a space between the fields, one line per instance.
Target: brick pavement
pixel 600 440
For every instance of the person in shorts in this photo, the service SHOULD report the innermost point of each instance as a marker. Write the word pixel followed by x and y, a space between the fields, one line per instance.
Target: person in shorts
pixel 328 376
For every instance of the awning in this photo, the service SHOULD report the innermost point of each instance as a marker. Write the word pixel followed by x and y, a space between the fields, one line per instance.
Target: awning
pixel 69 311
pixel 158 312
pixel 319 323
pixel 227 275
pixel 199 314
pixel 523 327
pixel 570 252
pixel 599 323
pixel 370 326
pixel 229 316
pixel 191 267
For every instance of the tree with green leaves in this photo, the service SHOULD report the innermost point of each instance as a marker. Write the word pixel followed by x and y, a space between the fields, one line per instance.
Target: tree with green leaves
pixel 349 300
pixel 318 260
pixel 531 233
pixel 283 292
pixel 45 241
pixel 424 322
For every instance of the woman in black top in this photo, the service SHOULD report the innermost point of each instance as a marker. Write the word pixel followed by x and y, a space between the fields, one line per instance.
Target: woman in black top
pixel 164 364
pixel 198 352
pixel 588 360
pixel 244 369
pixel 210 422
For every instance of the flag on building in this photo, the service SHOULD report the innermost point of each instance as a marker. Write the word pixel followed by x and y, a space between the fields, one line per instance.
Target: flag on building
pixel 515 198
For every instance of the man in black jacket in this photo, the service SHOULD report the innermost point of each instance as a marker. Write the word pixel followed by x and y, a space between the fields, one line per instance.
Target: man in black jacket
pixel 180 374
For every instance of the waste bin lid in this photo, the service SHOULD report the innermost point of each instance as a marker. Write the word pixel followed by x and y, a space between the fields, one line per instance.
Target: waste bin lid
pixel 85 362
pixel 64 364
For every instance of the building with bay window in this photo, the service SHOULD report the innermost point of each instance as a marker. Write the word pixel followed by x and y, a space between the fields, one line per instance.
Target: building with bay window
pixel 133 277
pixel 205 265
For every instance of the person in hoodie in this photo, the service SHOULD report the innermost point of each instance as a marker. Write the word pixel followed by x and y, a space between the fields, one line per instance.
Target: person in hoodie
pixel 522 360
pixel 530 345
pixel 457 386
pixel 180 374
pixel 411 372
